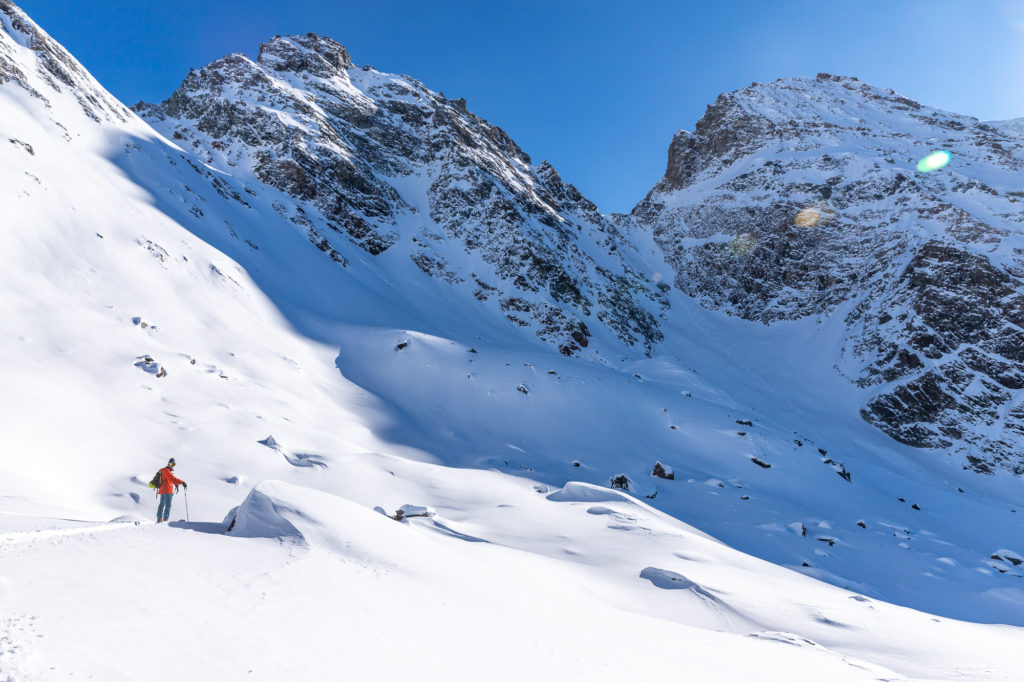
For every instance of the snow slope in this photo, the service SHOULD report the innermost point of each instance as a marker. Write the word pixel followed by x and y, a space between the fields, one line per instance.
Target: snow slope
pixel 520 571
pixel 318 584
pixel 1013 125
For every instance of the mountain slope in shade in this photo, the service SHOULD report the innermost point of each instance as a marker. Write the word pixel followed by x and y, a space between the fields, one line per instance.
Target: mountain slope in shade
pixel 154 313
pixel 803 199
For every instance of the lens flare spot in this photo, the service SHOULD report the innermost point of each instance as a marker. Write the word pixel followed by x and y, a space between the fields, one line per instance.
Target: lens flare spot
pixel 656 277
pixel 808 217
pixel 817 214
pixel 933 161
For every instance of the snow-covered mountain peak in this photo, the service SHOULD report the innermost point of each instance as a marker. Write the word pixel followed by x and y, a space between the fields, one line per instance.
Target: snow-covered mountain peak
pixel 379 161
pixel 807 197
pixel 828 101
pixel 318 55
pixel 822 111
pixel 826 97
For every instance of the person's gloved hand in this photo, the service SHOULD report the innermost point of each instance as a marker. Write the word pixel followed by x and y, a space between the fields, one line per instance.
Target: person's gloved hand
pixel 184 485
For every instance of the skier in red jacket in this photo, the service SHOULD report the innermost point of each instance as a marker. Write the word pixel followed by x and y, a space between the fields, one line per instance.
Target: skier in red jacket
pixel 168 484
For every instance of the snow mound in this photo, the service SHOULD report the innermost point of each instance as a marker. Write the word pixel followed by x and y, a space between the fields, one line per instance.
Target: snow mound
pixel 264 514
pixel 128 518
pixel 270 442
pixel 575 491
pixel 408 510
pixel 721 614
pixel 670 580
pixel 314 519
pixel 297 459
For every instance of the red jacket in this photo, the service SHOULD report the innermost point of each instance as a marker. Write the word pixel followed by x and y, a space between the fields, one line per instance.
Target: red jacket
pixel 167 481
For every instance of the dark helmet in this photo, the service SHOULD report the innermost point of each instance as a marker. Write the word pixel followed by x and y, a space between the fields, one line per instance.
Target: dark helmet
pixel 170 462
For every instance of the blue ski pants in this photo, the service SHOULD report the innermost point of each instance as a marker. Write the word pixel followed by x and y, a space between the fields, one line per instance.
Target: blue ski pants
pixel 163 510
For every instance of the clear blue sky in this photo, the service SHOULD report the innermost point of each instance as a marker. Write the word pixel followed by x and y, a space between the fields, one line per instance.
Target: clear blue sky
pixel 598 88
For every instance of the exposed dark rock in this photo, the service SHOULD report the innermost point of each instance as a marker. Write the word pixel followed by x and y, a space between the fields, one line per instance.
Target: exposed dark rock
pixel 338 140
pixel 621 482
pixel 660 472
pixel 778 222
pixel 23 145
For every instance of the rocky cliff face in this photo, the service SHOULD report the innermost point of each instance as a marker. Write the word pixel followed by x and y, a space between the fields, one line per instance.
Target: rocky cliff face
pixel 383 162
pixel 804 198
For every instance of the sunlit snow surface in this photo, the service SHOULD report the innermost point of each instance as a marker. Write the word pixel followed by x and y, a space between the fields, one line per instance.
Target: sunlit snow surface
pixel 521 573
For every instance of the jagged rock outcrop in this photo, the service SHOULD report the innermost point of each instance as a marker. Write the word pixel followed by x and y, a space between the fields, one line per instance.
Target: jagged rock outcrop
pixel 380 160
pixel 802 198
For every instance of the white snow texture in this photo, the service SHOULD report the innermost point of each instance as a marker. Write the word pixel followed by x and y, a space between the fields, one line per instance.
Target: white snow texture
pixel 149 315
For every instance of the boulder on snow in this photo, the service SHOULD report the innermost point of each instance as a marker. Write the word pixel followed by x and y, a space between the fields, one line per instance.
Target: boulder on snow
pixel 411 510
pixel 302 517
pixel 147 364
pixel 621 482
pixel 1008 555
pixel 663 471
pixel 270 442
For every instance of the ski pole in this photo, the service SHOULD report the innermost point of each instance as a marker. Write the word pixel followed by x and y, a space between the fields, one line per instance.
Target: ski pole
pixel 186 506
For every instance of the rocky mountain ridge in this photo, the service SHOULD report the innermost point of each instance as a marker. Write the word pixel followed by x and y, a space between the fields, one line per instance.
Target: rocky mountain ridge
pixel 791 200
pixel 380 160
pixel 803 198
pixel 58 69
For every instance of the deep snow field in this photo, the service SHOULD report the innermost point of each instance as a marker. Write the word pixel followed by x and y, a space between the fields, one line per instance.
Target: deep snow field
pixel 380 389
